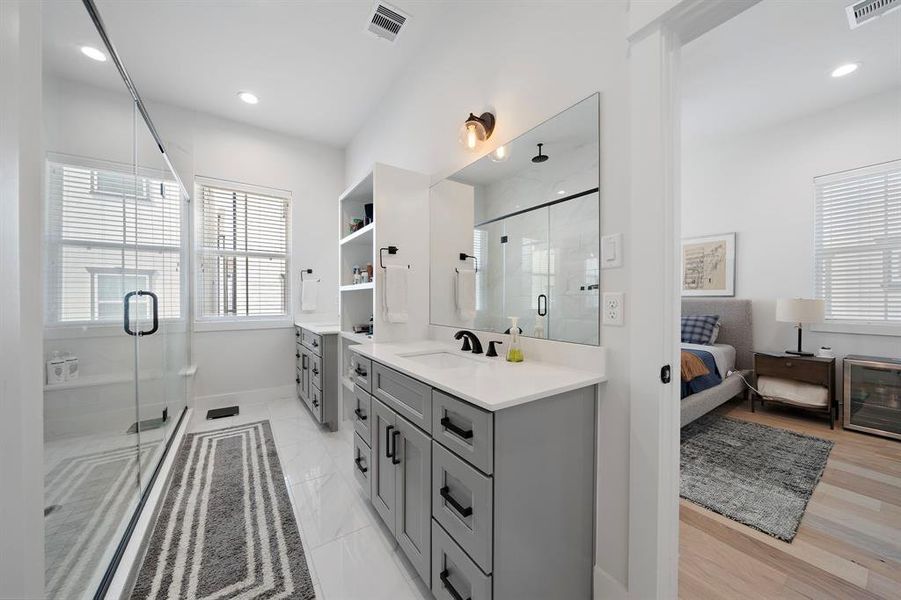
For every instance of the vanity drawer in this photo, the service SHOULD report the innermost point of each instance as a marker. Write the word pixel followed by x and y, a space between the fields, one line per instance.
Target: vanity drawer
pixel 454 575
pixel 362 371
pixel 315 365
pixel 361 418
pixel 408 397
pixel 464 429
pixel 316 403
pixel 311 340
pixel 463 502
pixel 362 459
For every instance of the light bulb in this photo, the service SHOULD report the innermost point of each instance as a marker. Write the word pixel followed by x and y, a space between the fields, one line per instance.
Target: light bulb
pixel 500 154
pixel 471 136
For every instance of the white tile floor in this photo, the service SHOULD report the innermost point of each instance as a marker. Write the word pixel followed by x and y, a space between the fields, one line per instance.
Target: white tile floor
pixel 350 553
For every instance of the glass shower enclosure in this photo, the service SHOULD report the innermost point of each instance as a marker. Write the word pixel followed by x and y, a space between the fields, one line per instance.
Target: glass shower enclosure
pixel 116 339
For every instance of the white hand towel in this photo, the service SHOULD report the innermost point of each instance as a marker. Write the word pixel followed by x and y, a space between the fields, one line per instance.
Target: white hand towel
pixel 309 290
pixel 396 294
pixel 465 293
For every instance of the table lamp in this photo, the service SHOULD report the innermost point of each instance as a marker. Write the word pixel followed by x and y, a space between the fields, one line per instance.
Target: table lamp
pixel 800 311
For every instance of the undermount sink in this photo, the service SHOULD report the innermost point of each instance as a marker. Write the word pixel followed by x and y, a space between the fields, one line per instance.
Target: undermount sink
pixel 439 359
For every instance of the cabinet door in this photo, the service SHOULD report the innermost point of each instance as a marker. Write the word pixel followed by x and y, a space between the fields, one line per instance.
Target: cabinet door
pixel 384 423
pixel 412 525
pixel 305 375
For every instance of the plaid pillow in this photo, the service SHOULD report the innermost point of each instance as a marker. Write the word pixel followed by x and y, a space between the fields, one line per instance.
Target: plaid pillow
pixel 699 329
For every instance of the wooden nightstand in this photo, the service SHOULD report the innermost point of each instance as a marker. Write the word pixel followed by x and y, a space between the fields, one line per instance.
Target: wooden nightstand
pixel 805 369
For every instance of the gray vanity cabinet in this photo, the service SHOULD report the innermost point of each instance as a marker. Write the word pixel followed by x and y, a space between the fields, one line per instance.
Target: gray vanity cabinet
pixel 318 386
pixel 487 505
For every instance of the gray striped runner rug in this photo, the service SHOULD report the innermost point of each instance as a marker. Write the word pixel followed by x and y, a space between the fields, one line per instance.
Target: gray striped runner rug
pixel 226 528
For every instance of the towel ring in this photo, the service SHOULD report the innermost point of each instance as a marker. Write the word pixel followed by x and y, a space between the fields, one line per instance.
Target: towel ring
pixel 475 260
pixel 391 251
pixel 307 271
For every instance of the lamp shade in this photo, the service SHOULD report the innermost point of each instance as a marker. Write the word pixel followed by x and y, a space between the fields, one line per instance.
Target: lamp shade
pixel 800 310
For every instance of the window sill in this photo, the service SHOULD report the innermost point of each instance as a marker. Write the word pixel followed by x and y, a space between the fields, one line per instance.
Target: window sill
pixel 890 329
pixel 242 324
pixel 94 329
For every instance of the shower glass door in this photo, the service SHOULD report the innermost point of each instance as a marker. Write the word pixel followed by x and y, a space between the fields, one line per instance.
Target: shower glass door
pixel 161 319
pixel 528 270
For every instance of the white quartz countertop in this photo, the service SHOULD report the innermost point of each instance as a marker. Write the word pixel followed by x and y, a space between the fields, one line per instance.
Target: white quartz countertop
pixel 319 328
pixel 489 383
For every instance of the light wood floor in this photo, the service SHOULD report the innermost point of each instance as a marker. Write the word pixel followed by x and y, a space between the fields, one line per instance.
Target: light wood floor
pixel 849 541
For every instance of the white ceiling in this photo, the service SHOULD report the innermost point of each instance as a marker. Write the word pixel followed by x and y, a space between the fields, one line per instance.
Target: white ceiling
pixel 773 63
pixel 317 72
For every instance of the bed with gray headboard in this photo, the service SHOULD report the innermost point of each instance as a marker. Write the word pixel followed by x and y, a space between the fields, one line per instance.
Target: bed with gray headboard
pixel 735 330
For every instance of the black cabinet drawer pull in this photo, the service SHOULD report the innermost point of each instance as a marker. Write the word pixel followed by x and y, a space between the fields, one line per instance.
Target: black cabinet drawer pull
pixel 463 433
pixel 315 344
pixel 447 584
pixel 297 379
pixel 297 354
pixel 359 414
pixel 315 371
pixel 388 429
pixel 464 511
pixel 394 459
pixel 358 460
pixel 360 372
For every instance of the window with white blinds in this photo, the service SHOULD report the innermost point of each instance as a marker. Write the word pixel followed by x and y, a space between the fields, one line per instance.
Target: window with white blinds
pixel 109 232
pixel 243 253
pixel 858 244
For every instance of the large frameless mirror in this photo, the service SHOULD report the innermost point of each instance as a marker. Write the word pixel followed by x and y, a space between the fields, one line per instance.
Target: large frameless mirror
pixel 519 237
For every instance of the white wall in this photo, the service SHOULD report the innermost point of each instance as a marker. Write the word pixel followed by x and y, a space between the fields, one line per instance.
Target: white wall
pixel 21 440
pixel 760 185
pixel 527 62
pixel 87 121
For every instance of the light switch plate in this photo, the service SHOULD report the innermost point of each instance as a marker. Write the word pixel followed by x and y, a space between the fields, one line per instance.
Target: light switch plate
pixel 612 251
pixel 613 308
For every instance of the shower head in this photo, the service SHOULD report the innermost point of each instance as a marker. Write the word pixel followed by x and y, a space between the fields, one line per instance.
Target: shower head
pixel 540 158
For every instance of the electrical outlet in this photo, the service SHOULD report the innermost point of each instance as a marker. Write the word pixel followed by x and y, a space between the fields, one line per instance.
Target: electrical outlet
pixel 613 308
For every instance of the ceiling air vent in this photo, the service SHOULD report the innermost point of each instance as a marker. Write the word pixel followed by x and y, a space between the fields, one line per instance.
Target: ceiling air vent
pixel 867 10
pixel 386 21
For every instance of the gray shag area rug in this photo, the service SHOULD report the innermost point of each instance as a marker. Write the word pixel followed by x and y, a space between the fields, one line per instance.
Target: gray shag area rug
pixel 754 474
pixel 226 528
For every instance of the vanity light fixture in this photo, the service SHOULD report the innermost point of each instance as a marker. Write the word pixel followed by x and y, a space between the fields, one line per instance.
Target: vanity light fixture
pixel 248 97
pixel 500 154
pixel 845 69
pixel 476 129
pixel 93 53
pixel 540 158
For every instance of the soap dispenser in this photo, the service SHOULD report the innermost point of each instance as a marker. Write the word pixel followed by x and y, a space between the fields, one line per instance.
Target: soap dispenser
pixel 514 352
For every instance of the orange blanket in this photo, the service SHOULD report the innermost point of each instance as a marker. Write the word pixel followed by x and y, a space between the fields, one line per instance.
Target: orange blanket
pixel 692 366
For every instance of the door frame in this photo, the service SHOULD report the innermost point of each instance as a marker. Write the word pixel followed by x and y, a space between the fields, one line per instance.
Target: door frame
pixel 656 35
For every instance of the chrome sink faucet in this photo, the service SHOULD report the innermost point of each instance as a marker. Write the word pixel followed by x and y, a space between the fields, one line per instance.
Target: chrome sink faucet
pixel 468 336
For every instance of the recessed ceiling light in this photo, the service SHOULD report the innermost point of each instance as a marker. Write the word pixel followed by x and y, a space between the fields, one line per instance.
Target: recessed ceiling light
pixel 248 97
pixel 93 53
pixel 561 192
pixel 845 69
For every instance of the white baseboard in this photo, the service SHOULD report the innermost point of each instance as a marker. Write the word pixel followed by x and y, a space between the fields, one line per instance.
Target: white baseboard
pixel 243 398
pixel 606 587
